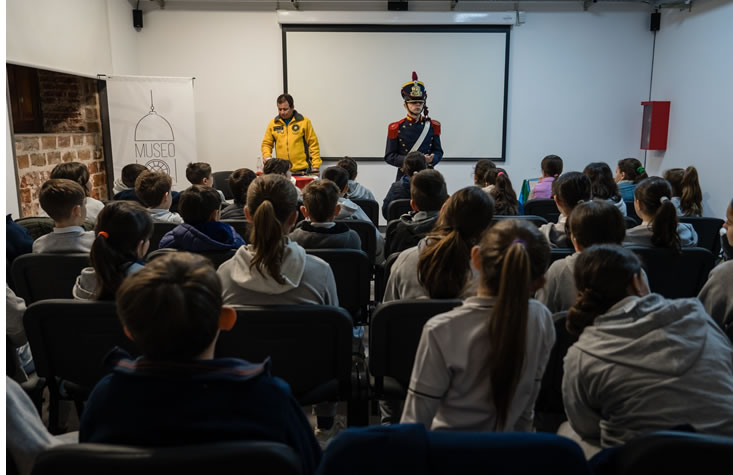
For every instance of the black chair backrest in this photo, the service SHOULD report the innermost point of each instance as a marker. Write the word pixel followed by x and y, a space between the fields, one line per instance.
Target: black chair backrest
pixel 310 347
pixel 672 452
pixel 69 338
pixel 353 275
pixel 221 182
pixel 241 226
pixel 368 235
pixel 382 276
pixel 550 396
pixel 47 276
pixel 235 457
pixel 371 208
pixel 557 253
pixel 708 231
pixel 217 258
pixel 38 226
pixel 397 208
pixel 393 338
pixel 631 211
pixel 159 230
pixel 536 220
pixel 631 222
pixel 544 208
pixel 676 275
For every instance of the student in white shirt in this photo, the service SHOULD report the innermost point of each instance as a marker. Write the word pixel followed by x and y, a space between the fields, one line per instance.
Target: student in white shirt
pixel 63 200
pixel 479 366
pixel 568 190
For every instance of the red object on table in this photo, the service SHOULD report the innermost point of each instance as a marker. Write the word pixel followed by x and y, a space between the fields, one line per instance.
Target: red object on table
pixel 302 181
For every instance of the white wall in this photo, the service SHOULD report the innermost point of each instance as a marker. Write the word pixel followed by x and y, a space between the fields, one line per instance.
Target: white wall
pixel 123 39
pixel 693 69
pixel 70 36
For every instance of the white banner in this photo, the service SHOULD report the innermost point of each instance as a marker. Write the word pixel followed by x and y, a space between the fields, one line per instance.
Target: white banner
pixel 152 123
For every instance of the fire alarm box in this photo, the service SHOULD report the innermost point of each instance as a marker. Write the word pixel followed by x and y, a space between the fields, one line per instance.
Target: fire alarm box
pixel 655 125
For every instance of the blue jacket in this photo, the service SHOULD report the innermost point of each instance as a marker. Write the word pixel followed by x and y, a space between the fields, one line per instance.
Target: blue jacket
pixel 209 236
pixel 403 134
pixel 130 195
pixel 156 403
pixel 397 191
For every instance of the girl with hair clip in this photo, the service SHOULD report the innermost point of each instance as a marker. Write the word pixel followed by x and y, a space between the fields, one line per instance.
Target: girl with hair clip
pixel 490 380
pixel 642 363
pixel 659 224
pixel 592 222
pixel 629 172
pixel 686 191
pixel 122 239
pixel 505 198
pixel 603 186
pixel 567 191
pixel 439 266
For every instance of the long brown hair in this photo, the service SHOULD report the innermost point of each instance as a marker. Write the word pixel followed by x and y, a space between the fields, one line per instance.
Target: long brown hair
pixel 271 201
pixel 513 255
pixel 686 184
pixel 445 264
pixel 653 195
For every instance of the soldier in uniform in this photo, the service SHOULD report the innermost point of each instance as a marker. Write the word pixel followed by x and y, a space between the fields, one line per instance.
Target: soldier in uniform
pixel 416 132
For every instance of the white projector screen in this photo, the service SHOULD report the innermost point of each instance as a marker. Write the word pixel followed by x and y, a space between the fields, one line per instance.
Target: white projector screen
pixel 347 80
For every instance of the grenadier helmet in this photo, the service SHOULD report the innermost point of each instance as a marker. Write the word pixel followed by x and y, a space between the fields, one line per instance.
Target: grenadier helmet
pixel 414 91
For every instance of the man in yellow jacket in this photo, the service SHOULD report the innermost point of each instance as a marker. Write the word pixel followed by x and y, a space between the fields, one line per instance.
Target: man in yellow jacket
pixel 293 137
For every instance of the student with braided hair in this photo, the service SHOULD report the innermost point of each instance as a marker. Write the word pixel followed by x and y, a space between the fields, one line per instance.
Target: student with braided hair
pixel 642 362
pixel 479 366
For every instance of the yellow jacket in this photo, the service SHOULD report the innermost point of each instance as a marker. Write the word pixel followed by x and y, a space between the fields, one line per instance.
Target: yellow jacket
pixel 296 142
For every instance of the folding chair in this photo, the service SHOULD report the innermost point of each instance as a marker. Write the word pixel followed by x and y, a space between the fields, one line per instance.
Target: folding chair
pixel 397 208
pixel 47 276
pixel 353 275
pixel 159 230
pixel 545 208
pixel 371 208
pixel 676 275
pixel 368 235
pixel 631 211
pixel 217 258
pixel 241 226
pixel 221 182
pixel 557 253
pixel 381 276
pixel 708 231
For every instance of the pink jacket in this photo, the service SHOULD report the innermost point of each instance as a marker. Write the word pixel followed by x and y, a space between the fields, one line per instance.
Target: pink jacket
pixel 543 189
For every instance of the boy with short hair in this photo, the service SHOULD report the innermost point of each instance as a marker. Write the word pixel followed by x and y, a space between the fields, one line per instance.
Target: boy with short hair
pixel 64 201
pixel 428 192
pixel 199 173
pixel 154 191
pixel 356 190
pixel 239 182
pixel 178 393
pixel 124 187
pixel 201 229
pixel 320 230
pixel 78 172
pixel 349 209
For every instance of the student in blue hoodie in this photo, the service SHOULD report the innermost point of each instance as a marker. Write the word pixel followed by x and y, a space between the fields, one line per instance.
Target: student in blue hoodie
pixel 201 229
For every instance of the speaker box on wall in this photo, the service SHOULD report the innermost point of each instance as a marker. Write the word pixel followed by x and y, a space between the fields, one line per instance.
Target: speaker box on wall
pixel 137 19
pixel 397 6
pixel 656 20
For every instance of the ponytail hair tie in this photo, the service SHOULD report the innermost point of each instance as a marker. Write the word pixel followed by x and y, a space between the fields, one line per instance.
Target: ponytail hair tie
pixel 520 241
pixel 663 199
pixel 640 170
pixel 555 175
pixel 103 234
pixel 500 174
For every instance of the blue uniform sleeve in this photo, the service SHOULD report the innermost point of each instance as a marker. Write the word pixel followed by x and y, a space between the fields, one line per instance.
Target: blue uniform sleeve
pixel 436 150
pixel 391 153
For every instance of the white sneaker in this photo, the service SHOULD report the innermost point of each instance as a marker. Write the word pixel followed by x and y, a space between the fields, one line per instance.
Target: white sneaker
pixel 324 436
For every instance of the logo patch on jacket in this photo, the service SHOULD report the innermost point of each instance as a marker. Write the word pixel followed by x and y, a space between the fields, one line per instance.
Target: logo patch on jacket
pixel 296 127
pixel 278 128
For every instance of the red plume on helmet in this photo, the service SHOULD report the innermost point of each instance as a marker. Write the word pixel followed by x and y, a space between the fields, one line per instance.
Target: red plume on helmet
pixel 414 76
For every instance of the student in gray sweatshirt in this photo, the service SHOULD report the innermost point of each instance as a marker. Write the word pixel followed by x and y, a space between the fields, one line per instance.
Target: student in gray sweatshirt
pixel 717 294
pixel 64 201
pixel 642 362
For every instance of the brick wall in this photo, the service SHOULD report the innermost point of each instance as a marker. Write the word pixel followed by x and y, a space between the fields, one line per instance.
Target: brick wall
pixel 70 106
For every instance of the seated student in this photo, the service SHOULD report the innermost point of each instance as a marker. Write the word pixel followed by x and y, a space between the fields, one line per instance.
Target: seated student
pixel 320 230
pixel 199 173
pixel 63 200
pixel 490 380
pixel 686 191
pixel 591 222
pixel 201 229
pixel 659 224
pixel 500 187
pixel 123 236
pixel 16 336
pixel 439 267
pixel 356 190
pixel 124 187
pixel 414 162
pixel 154 191
pixel 603 186
pixel 551 169
pixel 178 393
pixel 642 362
pixel 239 181
pixel 479 172
pixel 716 295
pixel 567 191
pixel 280 166
pixel 629 172
pixel 79 173
pixel 428 193
pixel 351 210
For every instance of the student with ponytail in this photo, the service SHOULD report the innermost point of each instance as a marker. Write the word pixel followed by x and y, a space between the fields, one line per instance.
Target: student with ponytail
pixel 642 363
pixel 122 238
pixel 439 266
pixel 659 224
pixel 686 191
pixel 629 172
pixel 501 189
pixel 479 366
pixel 567 191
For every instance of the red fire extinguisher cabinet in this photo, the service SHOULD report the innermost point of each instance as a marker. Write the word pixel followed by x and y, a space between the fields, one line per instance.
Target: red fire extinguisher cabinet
pixel 655 125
